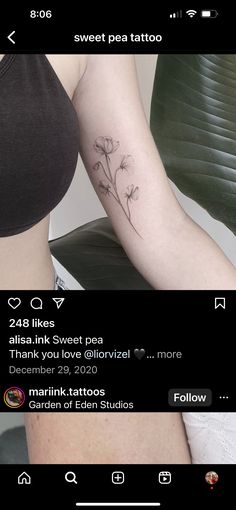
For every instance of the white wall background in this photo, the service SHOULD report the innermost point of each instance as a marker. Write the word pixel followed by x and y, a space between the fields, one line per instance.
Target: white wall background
pixel 81 205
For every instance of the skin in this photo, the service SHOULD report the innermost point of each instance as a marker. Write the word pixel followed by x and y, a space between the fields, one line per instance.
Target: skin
pixel 131 438
pixel 171 252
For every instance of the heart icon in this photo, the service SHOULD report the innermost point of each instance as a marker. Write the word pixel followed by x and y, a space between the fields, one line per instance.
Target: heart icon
pixel 139 353
pixel 14 302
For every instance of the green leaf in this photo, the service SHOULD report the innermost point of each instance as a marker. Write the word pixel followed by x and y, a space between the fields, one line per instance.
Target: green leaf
pixel 94 256
pixel 193 120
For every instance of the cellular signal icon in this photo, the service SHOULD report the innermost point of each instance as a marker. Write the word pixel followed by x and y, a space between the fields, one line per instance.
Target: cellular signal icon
pixel 177 14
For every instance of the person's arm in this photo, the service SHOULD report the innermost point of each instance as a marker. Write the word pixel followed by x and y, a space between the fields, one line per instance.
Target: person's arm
pixel 122 161
pixel 106 438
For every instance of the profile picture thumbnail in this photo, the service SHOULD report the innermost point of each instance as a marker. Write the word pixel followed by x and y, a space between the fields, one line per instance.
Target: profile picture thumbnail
pixel 211 477
pixel 14 397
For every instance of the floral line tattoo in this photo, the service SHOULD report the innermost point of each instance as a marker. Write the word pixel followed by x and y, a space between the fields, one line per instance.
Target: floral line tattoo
pixel 105 146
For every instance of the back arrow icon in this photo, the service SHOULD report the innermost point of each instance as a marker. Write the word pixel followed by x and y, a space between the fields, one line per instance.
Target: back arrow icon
pixel 10 35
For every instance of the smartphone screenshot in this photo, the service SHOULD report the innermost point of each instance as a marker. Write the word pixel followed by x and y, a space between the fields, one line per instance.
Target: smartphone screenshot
pixel 117 257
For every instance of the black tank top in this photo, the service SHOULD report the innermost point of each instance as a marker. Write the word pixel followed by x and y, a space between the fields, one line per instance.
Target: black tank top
pixel 38 141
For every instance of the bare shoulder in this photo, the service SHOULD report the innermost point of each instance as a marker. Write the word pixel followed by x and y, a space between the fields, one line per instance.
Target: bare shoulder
pixel 103 62
pixel 107 73
pixel 76 72
pixel 69 69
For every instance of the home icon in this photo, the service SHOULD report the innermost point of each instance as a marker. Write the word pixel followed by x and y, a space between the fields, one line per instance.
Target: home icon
pixel 24 479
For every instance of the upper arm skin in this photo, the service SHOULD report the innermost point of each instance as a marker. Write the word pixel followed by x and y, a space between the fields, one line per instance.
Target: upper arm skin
pixel 169 249
pixel 108 104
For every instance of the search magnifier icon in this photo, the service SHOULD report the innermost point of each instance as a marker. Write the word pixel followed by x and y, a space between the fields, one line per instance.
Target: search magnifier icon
pixel 70 477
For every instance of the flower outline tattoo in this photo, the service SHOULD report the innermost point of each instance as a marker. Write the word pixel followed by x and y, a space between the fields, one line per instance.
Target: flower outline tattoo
pixel 105 146
pixel 131 193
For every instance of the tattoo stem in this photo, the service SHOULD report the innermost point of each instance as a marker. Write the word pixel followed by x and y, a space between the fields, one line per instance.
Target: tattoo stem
pixel 127 203
pixel 106 146
pixel 108 167
pixel 118 198
pixel 107 176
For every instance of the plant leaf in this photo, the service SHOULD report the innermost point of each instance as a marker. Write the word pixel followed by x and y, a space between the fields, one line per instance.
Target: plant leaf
pixel 193 120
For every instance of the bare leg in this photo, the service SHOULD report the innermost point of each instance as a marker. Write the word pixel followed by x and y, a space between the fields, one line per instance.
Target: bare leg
pixel 80 438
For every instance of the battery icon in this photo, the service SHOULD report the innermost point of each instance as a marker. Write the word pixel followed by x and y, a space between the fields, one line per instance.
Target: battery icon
pixel 210 13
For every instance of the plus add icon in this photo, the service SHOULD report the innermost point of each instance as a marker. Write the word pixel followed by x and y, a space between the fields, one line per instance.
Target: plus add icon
pixel 118 477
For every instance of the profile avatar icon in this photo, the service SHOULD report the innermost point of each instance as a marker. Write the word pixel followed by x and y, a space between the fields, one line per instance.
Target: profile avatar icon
pixel 14 397
pixel 211 477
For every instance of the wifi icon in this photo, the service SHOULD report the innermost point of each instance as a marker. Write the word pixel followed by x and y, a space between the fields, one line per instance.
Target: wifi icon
pixel 191 13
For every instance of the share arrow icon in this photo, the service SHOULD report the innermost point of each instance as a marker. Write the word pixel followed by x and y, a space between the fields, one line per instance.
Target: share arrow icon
pixel 58 301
